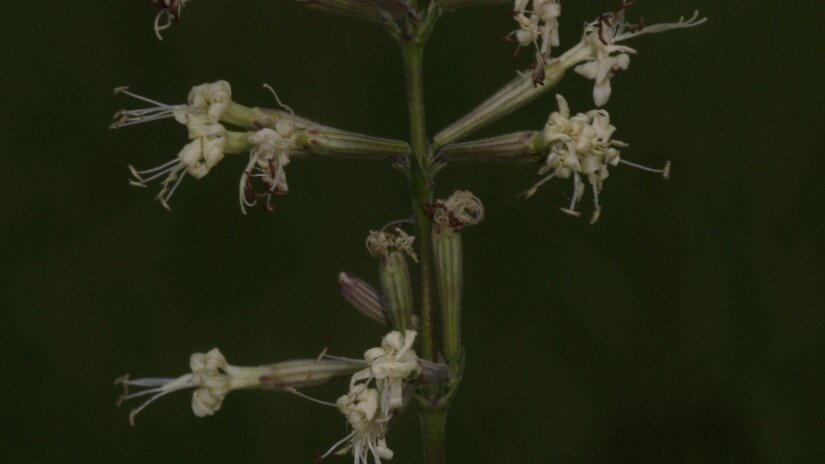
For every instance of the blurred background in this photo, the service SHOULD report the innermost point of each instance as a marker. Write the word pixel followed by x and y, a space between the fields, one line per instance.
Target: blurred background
pixel 686 327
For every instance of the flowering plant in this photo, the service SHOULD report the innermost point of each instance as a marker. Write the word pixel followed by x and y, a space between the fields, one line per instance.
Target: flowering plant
pixel 421 359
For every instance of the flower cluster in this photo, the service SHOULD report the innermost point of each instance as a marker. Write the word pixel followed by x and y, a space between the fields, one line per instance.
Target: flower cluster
pixel 201 116
pixel 581 145
pixel 376 393
pixel 607 58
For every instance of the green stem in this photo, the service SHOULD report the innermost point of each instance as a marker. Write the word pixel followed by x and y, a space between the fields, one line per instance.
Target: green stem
pixel 433 428
pixel 422 195
pixel 433 413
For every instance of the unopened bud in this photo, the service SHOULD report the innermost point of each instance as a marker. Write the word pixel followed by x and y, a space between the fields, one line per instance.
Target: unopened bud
pixel 363 297
pixel 394 274
pixel 450 216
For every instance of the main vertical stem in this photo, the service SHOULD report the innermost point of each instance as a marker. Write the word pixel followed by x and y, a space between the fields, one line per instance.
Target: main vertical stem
pixel 433 414
pixel 422 195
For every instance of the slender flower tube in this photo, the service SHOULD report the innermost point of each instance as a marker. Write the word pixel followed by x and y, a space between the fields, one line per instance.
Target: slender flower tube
pixel 396 288
pixel 450 217
pixel 514 148
pixel 598 45
pixel 213 378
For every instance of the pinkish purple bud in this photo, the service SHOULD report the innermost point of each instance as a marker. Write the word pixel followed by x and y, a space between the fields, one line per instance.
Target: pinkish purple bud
pixel 362 297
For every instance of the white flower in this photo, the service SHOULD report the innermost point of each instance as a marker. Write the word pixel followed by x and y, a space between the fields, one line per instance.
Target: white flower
pixel 390 365
pixel 582 145
pixel 607 58
pixel 211 375
pixel 266 163
pixel 368 424
pixel 539 23
pixel 375 393
pixel 205 106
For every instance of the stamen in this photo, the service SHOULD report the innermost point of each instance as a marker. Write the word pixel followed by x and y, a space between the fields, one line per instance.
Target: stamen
pixel 163 166
pixel 164 201
pixel 125 90
pixel 167 171
pixel 309 398
pixel 532 190
pixel 336 445
pixel 274 94
pixel 157 111
pixel 245 187
pixel 575 198
pixel 342 358
pixel 656 28
pixel 597 210
pixel 158 26
pixel 665 171
pixel 162 387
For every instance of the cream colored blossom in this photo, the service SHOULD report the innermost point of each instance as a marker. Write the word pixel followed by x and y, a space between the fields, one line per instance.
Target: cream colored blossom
pixel 368 426
pixel 201 115
pixel 390 365
pixel 606 57
pixel 538 27
pixel 267 161
pixel 581 146
pixel 211 376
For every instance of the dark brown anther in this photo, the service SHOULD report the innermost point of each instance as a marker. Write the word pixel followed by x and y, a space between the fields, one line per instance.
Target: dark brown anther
pixel 638 26
pixel 174 7
pixel 538 75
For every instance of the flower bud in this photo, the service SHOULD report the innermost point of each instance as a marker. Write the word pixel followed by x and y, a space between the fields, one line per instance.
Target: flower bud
pixel 363 297
pixel 450 216
pixel 394 274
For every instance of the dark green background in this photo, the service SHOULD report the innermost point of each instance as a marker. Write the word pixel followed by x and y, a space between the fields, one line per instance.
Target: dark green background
pixel 686 327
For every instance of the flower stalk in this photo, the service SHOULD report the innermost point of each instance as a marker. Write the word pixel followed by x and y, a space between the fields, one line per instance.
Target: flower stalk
pixel 515 148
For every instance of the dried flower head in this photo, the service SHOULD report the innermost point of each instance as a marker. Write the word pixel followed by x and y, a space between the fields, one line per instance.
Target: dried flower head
pixel 382 243
pixel 460 210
